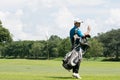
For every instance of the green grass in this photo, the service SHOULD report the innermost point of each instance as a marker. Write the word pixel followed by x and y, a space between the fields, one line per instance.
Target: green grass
pixel 23 69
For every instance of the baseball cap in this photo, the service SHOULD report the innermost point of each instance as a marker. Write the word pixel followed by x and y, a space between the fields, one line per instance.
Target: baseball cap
pixel 77 20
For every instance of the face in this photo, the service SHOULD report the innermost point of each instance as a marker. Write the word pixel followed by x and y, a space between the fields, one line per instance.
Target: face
pixel 77 24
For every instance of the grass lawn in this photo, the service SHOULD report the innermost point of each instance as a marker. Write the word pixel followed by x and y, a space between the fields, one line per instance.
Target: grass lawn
pixel 23 69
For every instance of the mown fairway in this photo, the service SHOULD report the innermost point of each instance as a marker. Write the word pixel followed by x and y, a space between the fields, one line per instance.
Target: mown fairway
pixel 22 69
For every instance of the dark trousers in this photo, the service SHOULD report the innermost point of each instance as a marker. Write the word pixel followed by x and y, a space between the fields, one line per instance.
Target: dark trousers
pixel 76 67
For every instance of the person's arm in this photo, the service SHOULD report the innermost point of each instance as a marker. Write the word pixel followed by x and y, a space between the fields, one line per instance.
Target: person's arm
pixel 80 34
pixel 87 34
pixel 88 30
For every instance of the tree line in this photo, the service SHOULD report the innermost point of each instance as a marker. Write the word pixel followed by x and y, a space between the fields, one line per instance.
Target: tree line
pixel 104 45
pixel 36 49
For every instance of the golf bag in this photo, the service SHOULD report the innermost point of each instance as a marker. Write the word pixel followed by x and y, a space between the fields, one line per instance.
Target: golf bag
pixel 70 59
pixel 74 56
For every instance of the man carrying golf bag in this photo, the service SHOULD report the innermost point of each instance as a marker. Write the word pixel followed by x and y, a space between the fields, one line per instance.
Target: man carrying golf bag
pixel 73 59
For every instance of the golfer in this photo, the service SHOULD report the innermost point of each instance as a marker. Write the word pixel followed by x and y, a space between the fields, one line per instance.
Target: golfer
pixel 75 34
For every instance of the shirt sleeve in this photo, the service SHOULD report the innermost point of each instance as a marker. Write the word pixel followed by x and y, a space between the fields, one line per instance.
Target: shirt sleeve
pixel 80 34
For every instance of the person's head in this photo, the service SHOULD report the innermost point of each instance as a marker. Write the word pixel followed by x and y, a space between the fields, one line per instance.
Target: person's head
pixel 77 22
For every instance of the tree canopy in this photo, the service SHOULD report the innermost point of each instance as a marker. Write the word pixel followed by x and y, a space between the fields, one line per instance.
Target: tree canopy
pixel 111 41
pixel 5 35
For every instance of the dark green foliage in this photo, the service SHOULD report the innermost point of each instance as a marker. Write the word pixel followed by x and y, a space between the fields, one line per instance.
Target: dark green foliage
pixel 95 50
pixel 111 41
pixel 17 49
pixel 53 45
pixel 65 47
pixel 5 35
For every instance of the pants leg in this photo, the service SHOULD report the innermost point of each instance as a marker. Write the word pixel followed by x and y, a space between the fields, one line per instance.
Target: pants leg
pixel 76 67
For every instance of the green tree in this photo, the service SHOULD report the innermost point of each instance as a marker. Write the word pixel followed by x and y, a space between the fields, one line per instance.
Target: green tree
pixel 36 49
pixel 64 47
pixel 5 35
pixel 53 44
pixel 1 50
pixel 17 49
pixel 111 41
pixel 95 50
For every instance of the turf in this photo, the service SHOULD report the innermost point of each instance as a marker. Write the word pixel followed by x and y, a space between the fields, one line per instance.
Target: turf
pixel 23 69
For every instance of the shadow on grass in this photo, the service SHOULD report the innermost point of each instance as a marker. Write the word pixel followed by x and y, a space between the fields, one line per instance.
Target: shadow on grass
pixel 61 78
pixel 32 58
pixel 41 58
pixel 112 59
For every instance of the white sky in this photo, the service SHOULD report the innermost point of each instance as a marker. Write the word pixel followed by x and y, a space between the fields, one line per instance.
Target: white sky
pixel 36 19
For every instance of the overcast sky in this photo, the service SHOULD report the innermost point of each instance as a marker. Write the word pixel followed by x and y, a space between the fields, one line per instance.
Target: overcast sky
pixel 36 19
